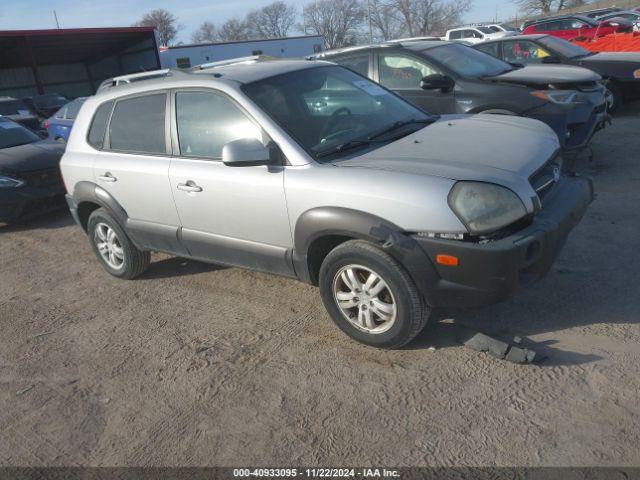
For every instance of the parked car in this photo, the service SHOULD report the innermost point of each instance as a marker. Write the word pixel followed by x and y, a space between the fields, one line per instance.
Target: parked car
pixel 30 179
pixel 632 16
pixel 599 12
pixel 46 105
pixel 474 34
pixel 620 70
pixel 445 77
pixel 20 112
pixel 502 27
pixel 308 170
pixel 59 125
pixel 577 26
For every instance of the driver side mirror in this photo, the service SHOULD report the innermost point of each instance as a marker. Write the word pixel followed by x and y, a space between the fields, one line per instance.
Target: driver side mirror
pixel 437 81
pixel 551 59
pixel 246 152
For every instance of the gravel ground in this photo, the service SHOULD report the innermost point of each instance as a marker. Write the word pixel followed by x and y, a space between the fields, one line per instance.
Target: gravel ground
pixel 195 364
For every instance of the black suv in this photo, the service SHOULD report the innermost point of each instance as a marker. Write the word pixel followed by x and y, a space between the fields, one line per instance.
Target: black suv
pixel 449 78
pixel 620 70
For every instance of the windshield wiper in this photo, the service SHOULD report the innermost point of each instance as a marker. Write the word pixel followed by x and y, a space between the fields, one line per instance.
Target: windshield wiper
pixel 363 142
pixel 400 124
pixel 345 146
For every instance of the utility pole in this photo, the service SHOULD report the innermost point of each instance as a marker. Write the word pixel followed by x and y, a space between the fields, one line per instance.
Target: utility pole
pixel 55 15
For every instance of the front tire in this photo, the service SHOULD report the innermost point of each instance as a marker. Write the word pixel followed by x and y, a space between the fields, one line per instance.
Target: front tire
pixel 370 296
pixel 115 251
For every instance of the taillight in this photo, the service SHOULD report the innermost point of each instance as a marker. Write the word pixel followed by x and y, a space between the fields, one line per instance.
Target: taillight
pixel 46 124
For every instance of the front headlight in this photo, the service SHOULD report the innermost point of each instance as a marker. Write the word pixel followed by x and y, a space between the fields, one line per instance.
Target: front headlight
pixel 562 97
pixel 8 182
pixel 485 207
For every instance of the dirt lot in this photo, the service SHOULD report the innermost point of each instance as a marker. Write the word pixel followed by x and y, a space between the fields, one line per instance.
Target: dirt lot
pixel 199 365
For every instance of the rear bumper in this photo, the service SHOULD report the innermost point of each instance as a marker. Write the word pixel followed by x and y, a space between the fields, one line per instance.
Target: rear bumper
pixel 492 271
pixel 21 203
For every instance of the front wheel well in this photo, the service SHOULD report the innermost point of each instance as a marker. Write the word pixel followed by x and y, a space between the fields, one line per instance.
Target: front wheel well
pixel 318 251
pixel 85 209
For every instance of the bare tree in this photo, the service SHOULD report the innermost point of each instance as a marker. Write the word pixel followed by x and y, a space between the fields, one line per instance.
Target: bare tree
pixel 385 20
pixel 272 21
pixel 165 22
pixel 234 30
pixel 207 32
pixel 545 7
pixel 429 17
pixel 338 21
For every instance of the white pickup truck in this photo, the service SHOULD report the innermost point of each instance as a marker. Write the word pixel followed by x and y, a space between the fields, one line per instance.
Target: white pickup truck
pixel 475 34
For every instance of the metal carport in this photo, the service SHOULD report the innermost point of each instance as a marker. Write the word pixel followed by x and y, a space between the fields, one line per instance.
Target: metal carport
pixel 72 62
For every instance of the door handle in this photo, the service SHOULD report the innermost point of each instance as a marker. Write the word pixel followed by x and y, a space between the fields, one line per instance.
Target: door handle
pixel 107 177
pixel 190 187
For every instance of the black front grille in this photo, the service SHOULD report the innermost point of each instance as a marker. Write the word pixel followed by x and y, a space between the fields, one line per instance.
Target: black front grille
pixel 546 177
pixel 43 178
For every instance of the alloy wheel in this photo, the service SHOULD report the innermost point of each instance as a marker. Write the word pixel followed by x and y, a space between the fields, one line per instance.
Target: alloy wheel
pixel 109 246
pixel 364 299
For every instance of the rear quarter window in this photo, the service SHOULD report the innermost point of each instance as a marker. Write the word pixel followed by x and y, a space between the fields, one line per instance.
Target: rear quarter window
pixel 98 128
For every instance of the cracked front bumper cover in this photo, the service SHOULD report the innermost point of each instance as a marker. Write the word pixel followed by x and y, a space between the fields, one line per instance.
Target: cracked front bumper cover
pixel 494 270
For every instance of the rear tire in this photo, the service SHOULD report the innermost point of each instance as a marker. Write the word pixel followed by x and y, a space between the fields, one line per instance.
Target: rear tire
pixel 115 251
pixel 370 296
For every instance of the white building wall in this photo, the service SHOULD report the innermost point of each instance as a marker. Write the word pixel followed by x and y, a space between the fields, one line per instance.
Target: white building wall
pixel 199 54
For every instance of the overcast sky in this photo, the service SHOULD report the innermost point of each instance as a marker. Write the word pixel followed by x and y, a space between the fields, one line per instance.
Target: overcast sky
pixel 37 14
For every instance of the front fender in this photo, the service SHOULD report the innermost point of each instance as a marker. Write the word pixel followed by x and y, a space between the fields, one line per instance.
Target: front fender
pixel 321 222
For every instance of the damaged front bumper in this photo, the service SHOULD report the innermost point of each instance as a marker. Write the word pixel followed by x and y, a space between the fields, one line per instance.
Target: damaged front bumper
pixel 493 270
pixel 575 124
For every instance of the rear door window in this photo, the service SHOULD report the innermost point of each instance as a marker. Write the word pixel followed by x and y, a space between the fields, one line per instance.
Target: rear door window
pixel 138 124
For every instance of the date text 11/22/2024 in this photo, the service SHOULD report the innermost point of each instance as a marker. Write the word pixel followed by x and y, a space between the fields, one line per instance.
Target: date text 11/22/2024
pixel 315 473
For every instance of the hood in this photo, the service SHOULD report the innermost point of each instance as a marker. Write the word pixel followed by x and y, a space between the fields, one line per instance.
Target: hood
pixel 626 57
pixel 30 157
pixel 548 74
pixel 493 148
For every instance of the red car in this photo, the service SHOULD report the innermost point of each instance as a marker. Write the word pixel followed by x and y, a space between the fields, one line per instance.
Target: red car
pixel 577 26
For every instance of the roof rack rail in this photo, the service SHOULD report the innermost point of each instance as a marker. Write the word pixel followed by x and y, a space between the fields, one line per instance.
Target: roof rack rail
pixel 133 77
pixel 232 61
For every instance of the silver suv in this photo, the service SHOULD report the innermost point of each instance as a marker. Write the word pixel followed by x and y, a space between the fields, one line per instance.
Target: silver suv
pixel 308 170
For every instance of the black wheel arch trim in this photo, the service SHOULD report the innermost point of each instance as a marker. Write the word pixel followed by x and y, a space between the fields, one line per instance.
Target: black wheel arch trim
pixel 90 192
pixel 322 222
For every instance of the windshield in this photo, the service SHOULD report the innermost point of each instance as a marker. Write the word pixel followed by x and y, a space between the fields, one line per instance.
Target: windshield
pixel 50 101
pixel 564 48
pixel 327 108
pixel 467 61
pixel 485 29
pixel 14 107
pixel 13 134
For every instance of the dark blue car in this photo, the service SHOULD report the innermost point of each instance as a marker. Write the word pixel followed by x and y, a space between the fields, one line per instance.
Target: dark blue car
pixel 59 125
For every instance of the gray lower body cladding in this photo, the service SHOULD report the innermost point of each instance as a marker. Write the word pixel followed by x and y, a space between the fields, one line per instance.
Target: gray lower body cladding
pixel 487 272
